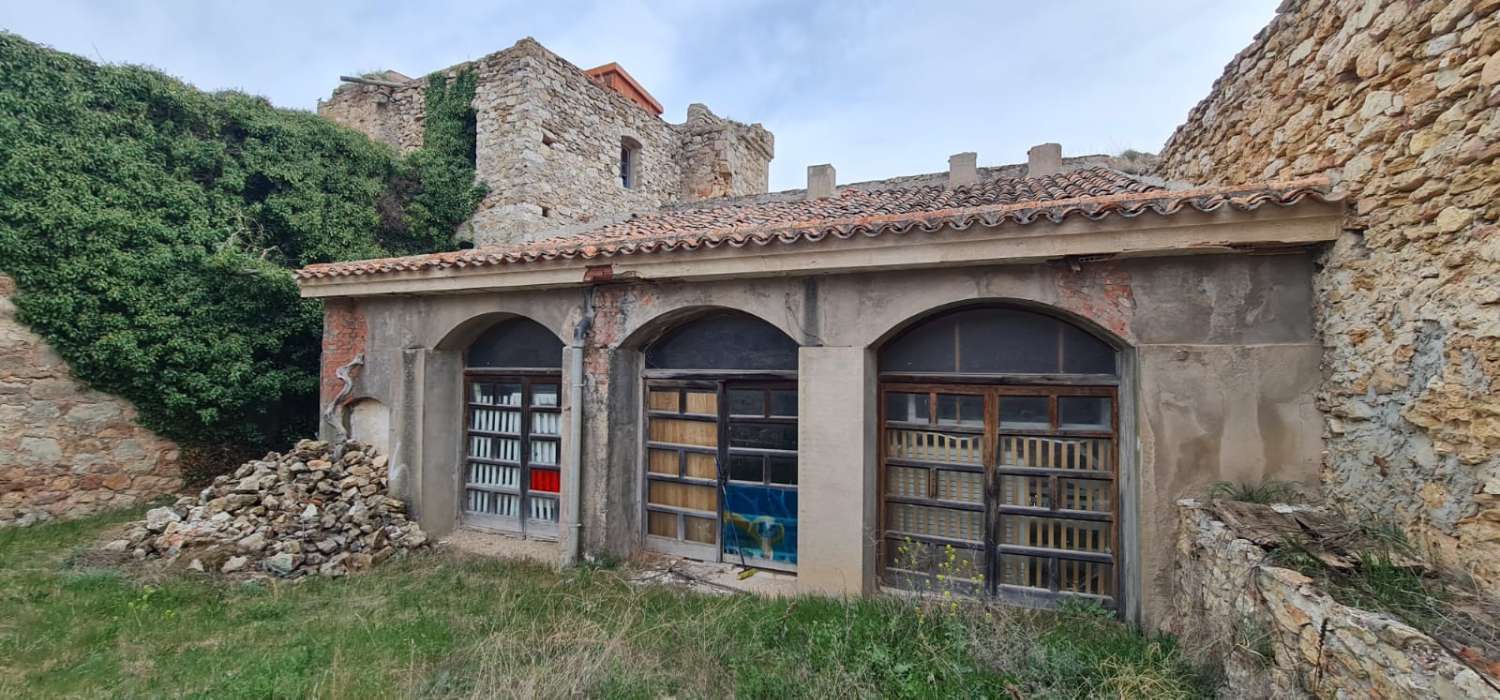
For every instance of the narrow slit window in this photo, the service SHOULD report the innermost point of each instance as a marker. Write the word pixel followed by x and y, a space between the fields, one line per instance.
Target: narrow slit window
pixel 630 156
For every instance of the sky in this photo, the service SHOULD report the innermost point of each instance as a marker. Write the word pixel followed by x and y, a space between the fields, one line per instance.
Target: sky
pixel 878 89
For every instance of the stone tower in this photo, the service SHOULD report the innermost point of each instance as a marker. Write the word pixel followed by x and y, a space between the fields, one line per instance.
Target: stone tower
pixel 559 146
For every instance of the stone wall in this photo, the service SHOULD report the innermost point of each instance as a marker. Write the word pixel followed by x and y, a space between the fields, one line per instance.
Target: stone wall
pixel 66 450
pixel 1399 102
pixel 392 116
pixel 1281 637
pixel 722 158
pixel 549 141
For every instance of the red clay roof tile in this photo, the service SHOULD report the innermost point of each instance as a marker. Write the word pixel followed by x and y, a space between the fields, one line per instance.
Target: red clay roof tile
pixel 1091 193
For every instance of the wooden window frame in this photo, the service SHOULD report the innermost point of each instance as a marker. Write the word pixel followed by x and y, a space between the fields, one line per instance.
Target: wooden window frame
pixel 993 389
pixel 720 383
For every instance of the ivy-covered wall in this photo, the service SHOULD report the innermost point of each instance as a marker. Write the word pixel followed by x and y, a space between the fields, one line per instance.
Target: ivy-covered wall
pixel 150 228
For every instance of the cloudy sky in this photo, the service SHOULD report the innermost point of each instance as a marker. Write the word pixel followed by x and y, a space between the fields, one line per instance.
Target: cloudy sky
pixel 876 88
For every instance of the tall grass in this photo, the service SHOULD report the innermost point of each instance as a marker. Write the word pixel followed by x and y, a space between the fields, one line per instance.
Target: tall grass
pixel 441 625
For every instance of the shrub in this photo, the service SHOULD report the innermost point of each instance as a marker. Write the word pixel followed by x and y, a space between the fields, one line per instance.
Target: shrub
pixel 150 228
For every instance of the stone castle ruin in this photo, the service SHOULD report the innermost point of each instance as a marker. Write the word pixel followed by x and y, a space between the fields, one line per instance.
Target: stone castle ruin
pixel 560 146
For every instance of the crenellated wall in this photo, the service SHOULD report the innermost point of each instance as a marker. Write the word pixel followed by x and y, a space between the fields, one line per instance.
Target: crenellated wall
pixel 1399 102
pixel 67 450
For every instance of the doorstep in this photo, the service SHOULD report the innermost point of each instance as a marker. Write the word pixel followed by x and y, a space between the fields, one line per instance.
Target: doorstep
pixel 495 544
pixel 713 577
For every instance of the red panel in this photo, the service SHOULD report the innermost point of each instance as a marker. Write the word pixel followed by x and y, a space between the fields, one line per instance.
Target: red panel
pixel 548 480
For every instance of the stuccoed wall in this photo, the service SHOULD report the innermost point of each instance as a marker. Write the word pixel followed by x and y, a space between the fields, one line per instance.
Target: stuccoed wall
pixel 1227 602
pixel 1399 102
pixel 1221 348
pixel 67 450
pixel 549 142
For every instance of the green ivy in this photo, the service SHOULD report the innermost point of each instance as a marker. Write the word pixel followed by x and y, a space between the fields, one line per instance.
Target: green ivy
pixel 443 168
pixel 151 229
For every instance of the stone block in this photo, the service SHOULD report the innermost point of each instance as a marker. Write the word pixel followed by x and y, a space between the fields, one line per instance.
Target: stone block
pixel 39 451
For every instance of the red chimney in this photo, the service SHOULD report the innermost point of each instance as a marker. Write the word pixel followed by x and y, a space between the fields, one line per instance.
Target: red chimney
pixel 612 77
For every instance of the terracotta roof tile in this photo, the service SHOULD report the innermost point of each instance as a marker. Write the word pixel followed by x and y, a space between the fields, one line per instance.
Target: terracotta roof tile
pixel 1092 193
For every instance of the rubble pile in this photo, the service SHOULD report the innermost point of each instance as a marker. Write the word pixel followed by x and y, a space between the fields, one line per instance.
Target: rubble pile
pixel 318 509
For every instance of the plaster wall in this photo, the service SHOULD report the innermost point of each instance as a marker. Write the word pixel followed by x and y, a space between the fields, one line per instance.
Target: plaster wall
pixel 1222 366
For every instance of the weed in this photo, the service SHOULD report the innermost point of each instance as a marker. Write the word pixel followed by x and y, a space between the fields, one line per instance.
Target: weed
pixel 1265 492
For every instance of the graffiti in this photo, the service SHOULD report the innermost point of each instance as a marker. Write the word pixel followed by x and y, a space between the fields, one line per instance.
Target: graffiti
pixel 760 522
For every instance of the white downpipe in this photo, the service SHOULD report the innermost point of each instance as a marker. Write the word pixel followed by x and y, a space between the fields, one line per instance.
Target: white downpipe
pixel 572 472
pixel 571 466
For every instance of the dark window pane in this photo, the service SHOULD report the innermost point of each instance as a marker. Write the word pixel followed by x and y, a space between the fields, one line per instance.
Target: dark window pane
pixel 997 341
pixel 927 347
pixel 518 342
pixel 770 436
pixel 747 402
pixel 1085 354
pixel 1029 412
pixel 783 470
pixel 783 403
pixel 1084 412
pixel 747 468
pixel 731 341
pixel 994 341
pixel 906 408
pixel 960 410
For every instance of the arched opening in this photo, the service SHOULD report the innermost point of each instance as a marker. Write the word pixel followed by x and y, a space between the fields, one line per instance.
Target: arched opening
pixel 999 457
pixel 720 466
pixel 513 420
pixel 370 423
pixel 630 155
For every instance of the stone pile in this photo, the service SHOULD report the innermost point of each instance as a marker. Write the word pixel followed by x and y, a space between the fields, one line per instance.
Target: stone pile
pixel 318 509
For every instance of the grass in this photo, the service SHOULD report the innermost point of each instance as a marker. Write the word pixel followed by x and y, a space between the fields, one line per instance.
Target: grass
pixel 443 625
pixel 1386 576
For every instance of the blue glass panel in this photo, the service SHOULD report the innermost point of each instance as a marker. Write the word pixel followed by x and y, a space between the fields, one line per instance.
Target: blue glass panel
pixel 760 522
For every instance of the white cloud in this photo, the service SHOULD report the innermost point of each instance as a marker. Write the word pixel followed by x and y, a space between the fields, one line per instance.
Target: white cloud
pixel 877 88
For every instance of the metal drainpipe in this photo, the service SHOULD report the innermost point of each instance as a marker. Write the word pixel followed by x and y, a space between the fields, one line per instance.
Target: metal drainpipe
pixel 572 469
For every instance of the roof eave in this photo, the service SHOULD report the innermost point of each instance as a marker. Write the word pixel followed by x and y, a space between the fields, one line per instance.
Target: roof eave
pixel 1309 222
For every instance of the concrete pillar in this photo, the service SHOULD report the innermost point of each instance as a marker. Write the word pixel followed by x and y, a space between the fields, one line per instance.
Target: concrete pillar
pixel 963 169
pixel 439 450
pixel 836 516
pixel 611 451
pixel 1043 160
pixel 821 181
pixel 406 430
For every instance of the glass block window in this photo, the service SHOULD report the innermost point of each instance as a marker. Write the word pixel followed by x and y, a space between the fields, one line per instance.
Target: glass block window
pixel 512 474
